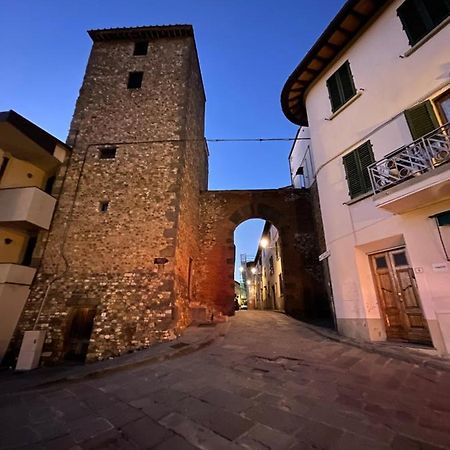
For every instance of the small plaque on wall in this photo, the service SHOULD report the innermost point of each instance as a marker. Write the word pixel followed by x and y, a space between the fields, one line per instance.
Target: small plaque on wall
pixel 440 267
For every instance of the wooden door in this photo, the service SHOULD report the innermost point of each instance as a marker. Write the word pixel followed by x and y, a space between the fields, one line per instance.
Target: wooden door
pixel 79 334
pixel 399 298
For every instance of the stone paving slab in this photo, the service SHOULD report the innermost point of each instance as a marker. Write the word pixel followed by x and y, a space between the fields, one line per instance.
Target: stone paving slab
pixel 268 383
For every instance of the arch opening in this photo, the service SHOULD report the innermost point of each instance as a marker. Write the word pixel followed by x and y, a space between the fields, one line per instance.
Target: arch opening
pixel 259 275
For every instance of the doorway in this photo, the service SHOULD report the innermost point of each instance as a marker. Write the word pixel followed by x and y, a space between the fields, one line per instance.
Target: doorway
pixel 79 333
pixel 398 297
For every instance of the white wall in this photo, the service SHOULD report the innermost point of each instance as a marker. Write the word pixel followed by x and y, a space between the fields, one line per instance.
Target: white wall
pixel 301 156
pixel 390 85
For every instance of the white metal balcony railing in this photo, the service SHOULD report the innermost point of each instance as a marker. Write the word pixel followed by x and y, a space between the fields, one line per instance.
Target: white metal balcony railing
pixel 422 155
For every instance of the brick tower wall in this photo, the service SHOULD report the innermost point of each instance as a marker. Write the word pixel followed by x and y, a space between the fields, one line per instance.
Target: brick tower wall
pixel 106 260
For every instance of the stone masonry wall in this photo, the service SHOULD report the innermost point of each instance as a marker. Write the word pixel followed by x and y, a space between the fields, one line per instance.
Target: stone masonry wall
pixel 290 210
pixel 105 260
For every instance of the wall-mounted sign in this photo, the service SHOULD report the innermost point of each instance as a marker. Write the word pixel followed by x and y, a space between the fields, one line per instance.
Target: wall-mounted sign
pixel 440 267
pixel 324 255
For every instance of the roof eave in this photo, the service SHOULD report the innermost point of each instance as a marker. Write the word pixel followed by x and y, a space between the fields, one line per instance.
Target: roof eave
pixel 313 64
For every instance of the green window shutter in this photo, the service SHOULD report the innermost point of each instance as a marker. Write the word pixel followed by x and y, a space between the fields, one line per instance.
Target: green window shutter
pixel 365 155
pixel 421 119
pixel 356 164
pixel 438 10
pixel 412 20
pixel 333 92
pixel 346 79
pixel 419 17
pixel 354 181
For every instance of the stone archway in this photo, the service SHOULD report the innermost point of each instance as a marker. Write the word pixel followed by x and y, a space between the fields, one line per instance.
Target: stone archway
pixel 290 211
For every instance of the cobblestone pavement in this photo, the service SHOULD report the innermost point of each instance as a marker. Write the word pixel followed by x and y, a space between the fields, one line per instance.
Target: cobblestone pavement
pixel 270 382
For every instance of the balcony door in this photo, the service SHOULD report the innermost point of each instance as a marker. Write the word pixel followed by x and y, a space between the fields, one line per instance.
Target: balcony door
pixel 398 297
pixel 443 105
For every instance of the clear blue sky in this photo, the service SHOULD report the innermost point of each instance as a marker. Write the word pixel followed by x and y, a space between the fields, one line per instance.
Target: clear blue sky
pixel 247 49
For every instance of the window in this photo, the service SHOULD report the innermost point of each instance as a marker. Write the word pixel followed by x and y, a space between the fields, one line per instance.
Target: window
pixel 419 17
pixel 421 119
pixel 26 260
pixel 140 48
pixel 5 162
pixel 271 268
pixel 356 164
pixel 103 206
pixel 135 80
pixel 49 184
pixel 107 152
pixel 341 87
pixel 443 106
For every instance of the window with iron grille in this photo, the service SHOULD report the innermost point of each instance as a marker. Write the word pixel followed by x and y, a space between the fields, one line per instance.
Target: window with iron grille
pixel 356 164
pixel 419 17
pixel 341 87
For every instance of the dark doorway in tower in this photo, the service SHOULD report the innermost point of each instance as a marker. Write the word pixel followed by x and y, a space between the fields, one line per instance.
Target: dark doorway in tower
pixel 262 275
pixel 81 323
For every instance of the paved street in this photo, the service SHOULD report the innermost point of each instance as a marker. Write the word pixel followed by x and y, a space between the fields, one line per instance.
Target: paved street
pixel 270 382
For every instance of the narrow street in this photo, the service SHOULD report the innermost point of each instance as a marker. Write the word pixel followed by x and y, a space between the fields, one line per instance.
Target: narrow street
pixel 269 382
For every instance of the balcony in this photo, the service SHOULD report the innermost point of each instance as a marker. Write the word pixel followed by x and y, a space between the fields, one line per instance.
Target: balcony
pixel 27 207
pixel 415 175
pixel 16 274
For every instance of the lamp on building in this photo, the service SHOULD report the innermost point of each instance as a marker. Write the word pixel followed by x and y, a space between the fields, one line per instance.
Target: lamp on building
pixel 253 270
pixel 264 242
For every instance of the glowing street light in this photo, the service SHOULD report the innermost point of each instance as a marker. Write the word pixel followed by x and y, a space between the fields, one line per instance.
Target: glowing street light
pixel 241 269
pixel 249 282
pixel 253 270
pixel 264 242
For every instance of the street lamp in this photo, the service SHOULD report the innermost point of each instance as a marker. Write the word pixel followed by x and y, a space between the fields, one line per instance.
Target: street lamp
pixel 264 242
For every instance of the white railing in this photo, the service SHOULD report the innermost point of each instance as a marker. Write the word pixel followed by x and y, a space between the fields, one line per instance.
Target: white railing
pixel 422 155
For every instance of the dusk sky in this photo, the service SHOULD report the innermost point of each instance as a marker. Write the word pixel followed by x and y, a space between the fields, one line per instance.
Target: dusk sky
pixel 247 49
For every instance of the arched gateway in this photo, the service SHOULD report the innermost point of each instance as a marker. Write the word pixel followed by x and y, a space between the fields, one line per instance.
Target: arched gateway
pixel 290 210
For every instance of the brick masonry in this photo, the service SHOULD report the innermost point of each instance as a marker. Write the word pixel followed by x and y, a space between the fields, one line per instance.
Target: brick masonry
pixel 290 210
pixel 159 208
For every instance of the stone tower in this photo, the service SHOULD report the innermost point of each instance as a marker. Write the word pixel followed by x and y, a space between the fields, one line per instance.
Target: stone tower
pixel 117 266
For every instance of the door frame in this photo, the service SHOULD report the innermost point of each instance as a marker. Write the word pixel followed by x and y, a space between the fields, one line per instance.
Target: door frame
pixel 407 333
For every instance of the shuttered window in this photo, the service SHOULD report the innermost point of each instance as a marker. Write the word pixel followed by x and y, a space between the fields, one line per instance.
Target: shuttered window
pixel 356 164
pixel 421 119
pixel 341 87
pixel 419 17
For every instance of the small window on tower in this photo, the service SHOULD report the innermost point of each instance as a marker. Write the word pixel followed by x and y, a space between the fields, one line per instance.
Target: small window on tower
pixel 140 48
pixel 135 80
pixel 103 206
pixel 107 152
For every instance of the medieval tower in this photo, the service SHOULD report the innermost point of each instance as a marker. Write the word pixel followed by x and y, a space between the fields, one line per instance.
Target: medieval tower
pixel 116 267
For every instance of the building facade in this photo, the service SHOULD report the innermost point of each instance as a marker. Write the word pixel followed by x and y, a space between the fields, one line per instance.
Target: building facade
pixel 374 92
pixel 120 258
pixel 266 274
pixel 30 179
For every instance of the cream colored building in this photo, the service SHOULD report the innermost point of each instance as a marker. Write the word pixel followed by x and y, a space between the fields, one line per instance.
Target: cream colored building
pixel 374 92
pixel 29 161
pixel 266 273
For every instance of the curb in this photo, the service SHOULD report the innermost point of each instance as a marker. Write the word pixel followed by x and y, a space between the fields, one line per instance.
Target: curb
pixel 405 355
pixel 220 331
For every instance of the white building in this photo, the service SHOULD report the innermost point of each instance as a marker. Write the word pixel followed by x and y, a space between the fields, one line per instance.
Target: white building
pixel 30 159
pixel 266 284
pixel 374 92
